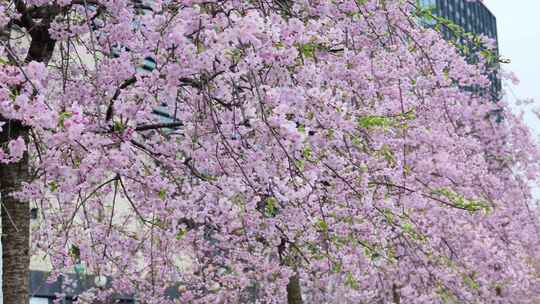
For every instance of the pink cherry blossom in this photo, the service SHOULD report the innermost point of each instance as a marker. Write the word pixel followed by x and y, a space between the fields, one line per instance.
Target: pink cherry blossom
pixel 337 147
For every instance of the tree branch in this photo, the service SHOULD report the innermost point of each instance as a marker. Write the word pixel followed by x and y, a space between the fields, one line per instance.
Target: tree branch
pixel 169 125
pixel 110 109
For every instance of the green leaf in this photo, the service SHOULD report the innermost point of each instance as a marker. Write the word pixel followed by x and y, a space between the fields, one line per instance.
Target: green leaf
pixel 351 281
pixel 356 141
pixel 307 153
pixel 271 207
pixel 410 230
pixel 337 266
pixel 14 92
pixel 75 252
pixel 388 215
pixel 374 121
pixel 471 282
pixel 162 194
pixel 460 201
pixel 388 155
pixel 234 54
pixel 446 296
pixel 371 254
pixel 119 126
pixel 307 50
pixel 53 185
pixel 62 117
pixel 314 250
pixel 322 225
pixel 330 133
pixel 181 234
pixel 300 164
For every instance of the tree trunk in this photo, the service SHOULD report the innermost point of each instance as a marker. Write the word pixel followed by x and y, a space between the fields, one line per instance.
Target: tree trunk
pixel 15 222
pixel 395 294
pixel 15 213
pixel 294 292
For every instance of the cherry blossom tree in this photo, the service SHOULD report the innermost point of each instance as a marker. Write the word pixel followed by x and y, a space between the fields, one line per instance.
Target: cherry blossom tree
pixel 312 151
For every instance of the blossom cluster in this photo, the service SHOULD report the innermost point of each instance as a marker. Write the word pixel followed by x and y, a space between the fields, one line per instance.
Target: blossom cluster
pixel 332 141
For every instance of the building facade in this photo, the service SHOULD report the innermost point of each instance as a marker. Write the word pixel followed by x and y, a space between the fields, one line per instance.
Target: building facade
pixel 473 17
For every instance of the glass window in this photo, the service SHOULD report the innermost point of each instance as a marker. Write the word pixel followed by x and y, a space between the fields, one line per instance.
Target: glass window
pixel 427 3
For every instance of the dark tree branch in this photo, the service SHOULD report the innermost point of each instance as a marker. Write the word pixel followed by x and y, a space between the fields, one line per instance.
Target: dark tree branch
pixel 110 109
pixel 169 125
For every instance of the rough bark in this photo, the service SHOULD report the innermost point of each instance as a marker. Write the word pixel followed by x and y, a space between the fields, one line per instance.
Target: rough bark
pixel 395 294
pixel 15 223
pixel 15 213
pixel 294 291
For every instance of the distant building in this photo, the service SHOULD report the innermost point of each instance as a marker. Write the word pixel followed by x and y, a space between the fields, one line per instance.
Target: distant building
pixel 474 17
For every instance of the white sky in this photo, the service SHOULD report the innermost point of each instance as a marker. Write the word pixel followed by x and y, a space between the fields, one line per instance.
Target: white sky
pixel 518 25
